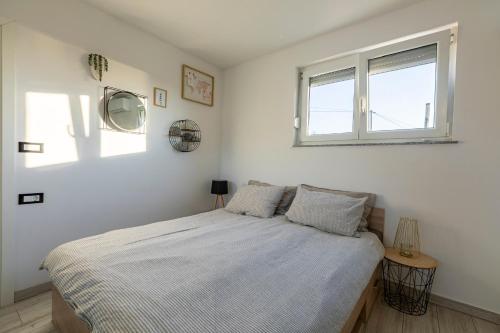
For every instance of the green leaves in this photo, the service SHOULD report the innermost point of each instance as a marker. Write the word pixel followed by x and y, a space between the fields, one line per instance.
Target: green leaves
pixel 99 63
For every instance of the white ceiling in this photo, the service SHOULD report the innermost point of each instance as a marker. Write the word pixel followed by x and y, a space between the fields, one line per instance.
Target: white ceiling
pixel 228 32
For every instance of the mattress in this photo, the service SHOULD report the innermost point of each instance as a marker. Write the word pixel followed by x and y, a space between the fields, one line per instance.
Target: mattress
pixel 215 272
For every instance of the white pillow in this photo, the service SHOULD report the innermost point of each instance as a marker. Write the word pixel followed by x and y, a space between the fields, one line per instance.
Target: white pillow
pixel 335 213
pixel 260 201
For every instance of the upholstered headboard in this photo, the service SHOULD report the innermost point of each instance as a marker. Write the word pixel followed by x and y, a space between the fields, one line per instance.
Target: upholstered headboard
pixel 376 222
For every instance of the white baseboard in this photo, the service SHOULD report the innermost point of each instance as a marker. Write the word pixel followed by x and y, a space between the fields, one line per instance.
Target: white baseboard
pixel 32 291
pixel 466 308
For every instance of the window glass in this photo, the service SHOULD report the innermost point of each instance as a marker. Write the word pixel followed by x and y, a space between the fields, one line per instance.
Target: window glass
pixel 331 102
pixel 401 90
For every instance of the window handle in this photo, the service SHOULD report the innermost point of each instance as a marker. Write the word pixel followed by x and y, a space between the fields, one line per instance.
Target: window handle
pixel 296 122
pixel 363 105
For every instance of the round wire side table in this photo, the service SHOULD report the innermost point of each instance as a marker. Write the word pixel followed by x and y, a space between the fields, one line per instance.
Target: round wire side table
pixel 408 281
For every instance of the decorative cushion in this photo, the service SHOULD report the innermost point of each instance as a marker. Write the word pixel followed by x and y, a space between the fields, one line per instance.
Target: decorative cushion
pixel 326 211
pixel 286 199
pixel 369 203
pixel 260 201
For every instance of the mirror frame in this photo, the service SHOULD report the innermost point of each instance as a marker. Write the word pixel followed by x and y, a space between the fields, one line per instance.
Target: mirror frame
pixel 109 124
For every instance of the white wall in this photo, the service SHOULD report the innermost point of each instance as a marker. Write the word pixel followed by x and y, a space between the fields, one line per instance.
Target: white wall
pixel 453 190
pixel 87 190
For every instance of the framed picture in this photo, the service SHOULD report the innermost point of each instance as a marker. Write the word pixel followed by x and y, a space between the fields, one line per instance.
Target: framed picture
pixel 160 97
pixel 197 86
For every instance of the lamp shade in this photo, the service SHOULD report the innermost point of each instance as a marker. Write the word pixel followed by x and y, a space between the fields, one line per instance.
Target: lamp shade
pixel 219 187
pixel 407 239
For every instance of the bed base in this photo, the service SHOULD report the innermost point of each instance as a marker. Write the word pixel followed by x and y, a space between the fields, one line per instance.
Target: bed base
pixel 66 321
pixel 365 303
pixel 63 316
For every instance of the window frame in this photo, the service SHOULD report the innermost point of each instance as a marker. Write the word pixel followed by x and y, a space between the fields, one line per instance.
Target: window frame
pixel 445 39
pixel 322 68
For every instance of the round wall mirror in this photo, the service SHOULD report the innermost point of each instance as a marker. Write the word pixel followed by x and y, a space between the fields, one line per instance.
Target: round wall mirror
pixel 126 111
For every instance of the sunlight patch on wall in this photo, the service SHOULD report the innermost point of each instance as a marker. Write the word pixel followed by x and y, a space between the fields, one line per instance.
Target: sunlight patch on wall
pixel 85 113
pixel 120 143
pixel 48 120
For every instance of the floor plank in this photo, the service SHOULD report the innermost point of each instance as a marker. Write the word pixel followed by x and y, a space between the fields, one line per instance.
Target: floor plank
pixel 483 326
pixel 9 320
pixel 38 307
pixel 428 323
pixel 6 310
pixel 33 300
pixel 454 322
pixel 384 319
pixel 33 315
pixel 40 325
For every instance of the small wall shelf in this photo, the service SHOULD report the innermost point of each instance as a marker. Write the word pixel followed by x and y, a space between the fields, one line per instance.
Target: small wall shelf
pixel 184 135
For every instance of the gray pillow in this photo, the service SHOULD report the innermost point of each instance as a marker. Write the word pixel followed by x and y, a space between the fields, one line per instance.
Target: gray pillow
pixel 330 212
pixel 369 203
pixel 286 199
pixel 260 201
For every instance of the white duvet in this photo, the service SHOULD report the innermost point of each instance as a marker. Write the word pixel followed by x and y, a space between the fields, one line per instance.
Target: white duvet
pixel 215 272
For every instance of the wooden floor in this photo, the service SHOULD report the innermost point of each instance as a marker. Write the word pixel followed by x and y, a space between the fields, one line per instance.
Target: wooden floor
pixel 385 319
pixel 34 316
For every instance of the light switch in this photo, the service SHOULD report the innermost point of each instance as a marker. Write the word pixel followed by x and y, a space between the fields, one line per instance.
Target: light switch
pixel 30 198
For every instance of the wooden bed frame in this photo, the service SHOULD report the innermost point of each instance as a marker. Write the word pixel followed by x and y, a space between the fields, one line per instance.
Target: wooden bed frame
pixel 364 305
pixel 66 321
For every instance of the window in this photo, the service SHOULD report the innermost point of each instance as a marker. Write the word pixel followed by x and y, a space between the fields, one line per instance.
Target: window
pixel 331 102
pixel 401 90
pixel 396 93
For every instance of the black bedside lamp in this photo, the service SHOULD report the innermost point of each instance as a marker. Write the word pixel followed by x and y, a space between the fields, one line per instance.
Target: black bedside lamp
pixel 219 187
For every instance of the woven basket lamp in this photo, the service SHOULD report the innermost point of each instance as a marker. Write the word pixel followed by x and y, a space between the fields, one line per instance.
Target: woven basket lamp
pixel 407 239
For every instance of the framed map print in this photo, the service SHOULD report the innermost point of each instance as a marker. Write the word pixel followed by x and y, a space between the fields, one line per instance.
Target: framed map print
pixel 197 86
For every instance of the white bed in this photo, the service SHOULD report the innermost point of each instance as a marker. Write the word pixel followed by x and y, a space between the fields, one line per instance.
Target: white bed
pixel 215 272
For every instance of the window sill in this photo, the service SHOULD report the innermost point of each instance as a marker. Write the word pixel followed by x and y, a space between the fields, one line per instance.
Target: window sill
pixel 376 143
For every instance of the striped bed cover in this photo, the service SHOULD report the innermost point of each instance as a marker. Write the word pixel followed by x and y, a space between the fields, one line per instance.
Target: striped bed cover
pixel 215 272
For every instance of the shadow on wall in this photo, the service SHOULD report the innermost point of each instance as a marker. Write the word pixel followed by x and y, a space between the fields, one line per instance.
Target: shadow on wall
pixel 61 122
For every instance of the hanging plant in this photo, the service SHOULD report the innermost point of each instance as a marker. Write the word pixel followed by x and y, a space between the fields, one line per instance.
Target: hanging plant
pixel 98 64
